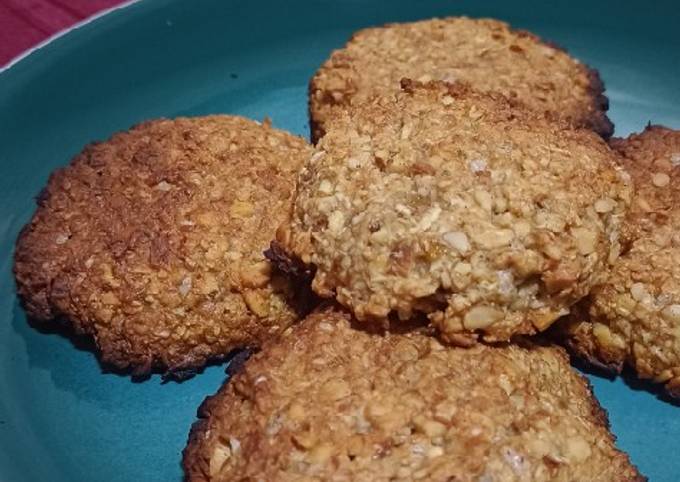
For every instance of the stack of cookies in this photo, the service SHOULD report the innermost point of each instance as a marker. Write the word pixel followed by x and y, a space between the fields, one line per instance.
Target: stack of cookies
pixel 405 282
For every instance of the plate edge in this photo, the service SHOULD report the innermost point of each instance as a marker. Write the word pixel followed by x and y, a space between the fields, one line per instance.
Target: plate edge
pixel 23 55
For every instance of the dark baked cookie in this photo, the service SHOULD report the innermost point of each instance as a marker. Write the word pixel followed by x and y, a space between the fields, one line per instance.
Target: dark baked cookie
pixel 152 241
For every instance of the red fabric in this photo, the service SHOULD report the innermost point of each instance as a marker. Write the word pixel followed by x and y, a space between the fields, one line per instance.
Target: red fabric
pixel 24 23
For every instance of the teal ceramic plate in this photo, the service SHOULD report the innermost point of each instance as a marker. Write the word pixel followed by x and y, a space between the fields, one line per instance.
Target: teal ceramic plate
pixel 61 417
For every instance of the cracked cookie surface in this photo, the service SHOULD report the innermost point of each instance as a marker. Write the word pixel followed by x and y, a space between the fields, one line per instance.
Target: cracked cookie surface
pixel 329 402
pixel 151 242
pixel 488 218
pixel 486 53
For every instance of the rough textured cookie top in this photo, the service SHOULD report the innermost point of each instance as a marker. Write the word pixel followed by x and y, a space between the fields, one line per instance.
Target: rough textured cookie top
pixel 486 53
pixel 635 316
pixel 652 158
pixel 152 241
pixel 445 201
pixel 332 403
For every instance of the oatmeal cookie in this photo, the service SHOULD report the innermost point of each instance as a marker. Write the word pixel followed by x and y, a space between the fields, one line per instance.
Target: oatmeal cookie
pixel 491 219
pixel 151 242
pixel 483 52
pixel 330 402
pixel 634 317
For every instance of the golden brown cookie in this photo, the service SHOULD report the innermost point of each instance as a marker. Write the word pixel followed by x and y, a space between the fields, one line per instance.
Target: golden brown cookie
pixel 483 52
pixel 152 241
pixel 634 317
pixel 490 219
pixel 329 402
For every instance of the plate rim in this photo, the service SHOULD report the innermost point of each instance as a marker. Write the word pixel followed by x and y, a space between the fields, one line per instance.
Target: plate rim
pixel 23 55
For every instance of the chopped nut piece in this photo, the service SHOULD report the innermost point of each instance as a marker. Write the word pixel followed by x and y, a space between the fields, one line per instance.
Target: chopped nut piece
pixel 61 239
pixel 543 320
pixel 477 165
pixel 255 275
pixel 481 317
pixel 321 453
pixel 256 302
pixel 605 205
pixel 494 238
pixel 447 100
pixel 305 440
pixel 164 186
pixel 325 187
pixel 586 240
pixel 219 457
pixel 639 291
pixel 603 334
pixel 435 452
pixel 672 313
pixel 484 199
pixel 577 449
pixel 185 286
pixel 660 179
pixel 110 298
pixel 675 159
pixel 457 240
